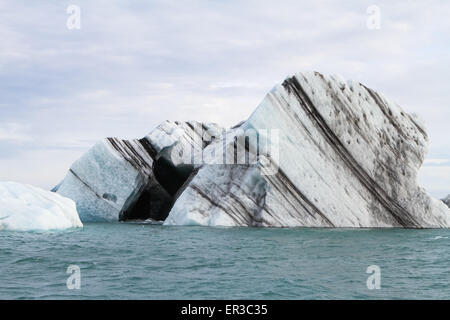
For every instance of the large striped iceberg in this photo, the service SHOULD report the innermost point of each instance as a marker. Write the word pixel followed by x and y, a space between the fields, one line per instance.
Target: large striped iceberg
pixel 345 156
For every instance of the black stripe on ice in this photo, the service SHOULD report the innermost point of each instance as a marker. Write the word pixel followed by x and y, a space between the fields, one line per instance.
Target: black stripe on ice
pixel 130 154
pixel 305 202
pixel 89 187
pixel 403 217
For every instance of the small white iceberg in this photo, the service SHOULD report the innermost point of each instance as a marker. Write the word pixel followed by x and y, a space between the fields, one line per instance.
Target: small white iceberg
pixel 26 208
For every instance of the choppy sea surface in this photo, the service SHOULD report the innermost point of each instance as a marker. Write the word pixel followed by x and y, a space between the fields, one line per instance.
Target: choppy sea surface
pixel 142 261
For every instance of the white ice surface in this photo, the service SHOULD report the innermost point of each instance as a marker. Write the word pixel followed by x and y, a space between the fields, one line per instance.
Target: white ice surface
pixel 25 208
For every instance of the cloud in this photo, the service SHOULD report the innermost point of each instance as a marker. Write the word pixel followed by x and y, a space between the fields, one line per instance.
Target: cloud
pixel 135 64
pixel 436 162
pixel 436 180
pixel 13 132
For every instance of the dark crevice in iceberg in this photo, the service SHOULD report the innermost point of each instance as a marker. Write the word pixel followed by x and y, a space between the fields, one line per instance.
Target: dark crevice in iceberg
pixel 157 199
pixel 153 203
pixel 171 177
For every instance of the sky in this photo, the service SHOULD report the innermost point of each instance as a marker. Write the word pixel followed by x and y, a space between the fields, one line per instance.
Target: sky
pixel 134 64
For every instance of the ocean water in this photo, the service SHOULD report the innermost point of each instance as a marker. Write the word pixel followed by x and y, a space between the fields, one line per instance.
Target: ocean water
pixel 142 261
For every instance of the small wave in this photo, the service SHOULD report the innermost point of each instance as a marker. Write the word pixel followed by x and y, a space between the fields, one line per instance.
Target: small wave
pixel 439 237
pixel 148 221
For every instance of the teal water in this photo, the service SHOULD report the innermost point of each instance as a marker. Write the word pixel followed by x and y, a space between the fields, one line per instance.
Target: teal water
pixel 138 261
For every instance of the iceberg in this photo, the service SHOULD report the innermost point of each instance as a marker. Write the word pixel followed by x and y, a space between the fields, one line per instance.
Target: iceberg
pixel 318 151
pixel 25 208
pixel 343 156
